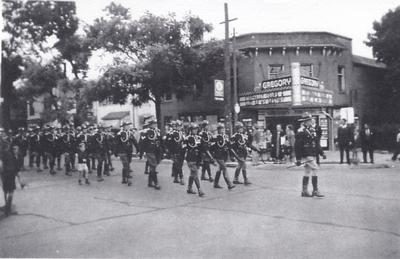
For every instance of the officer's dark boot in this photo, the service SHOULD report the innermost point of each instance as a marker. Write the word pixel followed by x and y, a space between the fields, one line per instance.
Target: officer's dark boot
pixel 190 186
pixel 216 180
pixel 316 193
pixel 150 180
pixel 228 182
pixel 197 182
pixel 8 205
pixel 305 192
pixel 175 173
pixel 236 179
pixel 246 180
pixel 156 185
pixel 203 171
pixel 59 163
pixel 124 178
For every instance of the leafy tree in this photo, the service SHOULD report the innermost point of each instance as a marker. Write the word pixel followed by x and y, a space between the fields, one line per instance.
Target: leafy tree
pixel 35 28
pixel 385 43
pixel 154 55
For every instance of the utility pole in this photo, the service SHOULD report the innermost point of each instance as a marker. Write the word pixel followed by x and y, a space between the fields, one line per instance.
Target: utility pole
pixel 227 64
pixel 235 97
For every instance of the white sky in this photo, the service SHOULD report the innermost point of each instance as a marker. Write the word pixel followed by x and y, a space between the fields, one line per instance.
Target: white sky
pixel 350 18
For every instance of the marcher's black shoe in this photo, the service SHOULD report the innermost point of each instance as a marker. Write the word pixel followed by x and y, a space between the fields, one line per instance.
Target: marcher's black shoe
pixel 204 178
pixel 217 186
pixel 211 179
pixel 182 182
pixel 80 182
pixel 305 194
pixel 150 185
pixel 129 183
pixel 317 194
pixel 247 182
pixel 190 191
pixel 230 187
pixel 124 181
pixel 87 181
pixel 157 187
pixel 201 193
pixel 176 180
pixel 236 181
pixel 100 179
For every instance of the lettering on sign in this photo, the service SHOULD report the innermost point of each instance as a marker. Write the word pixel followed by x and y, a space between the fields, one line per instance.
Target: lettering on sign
pixel 273 97
pixel 308 81
pixel 316 97
pixel 277 83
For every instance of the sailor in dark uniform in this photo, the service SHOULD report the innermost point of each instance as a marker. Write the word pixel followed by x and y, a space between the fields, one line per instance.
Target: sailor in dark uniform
pixel 100 152
pixel 193 158
pixel 68 147
pixel 306 148
pixel 220 151
pixel 49 146
pixel 174 143
pixel 122 149
pixel 206 138
pixel 21 140
pixel 239 144
pixel 152 146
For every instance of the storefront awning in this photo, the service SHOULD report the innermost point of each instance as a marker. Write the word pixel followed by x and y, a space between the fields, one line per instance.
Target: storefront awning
pixel 115 115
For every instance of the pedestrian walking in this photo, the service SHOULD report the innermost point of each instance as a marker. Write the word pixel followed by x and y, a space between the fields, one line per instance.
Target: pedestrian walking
pixel 9 169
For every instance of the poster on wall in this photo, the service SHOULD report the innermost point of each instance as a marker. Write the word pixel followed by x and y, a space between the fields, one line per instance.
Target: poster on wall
pixel 218 90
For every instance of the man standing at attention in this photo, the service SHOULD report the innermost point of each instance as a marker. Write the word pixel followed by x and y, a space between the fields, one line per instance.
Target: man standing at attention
pixel 344 140
pixel 367 143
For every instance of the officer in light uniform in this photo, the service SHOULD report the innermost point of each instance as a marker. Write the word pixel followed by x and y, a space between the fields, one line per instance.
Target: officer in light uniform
pixel 305 149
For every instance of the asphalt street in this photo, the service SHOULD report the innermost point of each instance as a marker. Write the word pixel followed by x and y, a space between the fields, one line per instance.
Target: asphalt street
pixel 358 218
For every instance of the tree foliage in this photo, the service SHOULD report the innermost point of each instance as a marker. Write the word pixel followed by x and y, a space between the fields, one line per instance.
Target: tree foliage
pixel 35 28
pixel 155 55
pixel 385 43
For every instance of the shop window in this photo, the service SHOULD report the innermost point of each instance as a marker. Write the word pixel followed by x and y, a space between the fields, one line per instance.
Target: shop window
pixel 274 71
pixel 31 109
pixel 341 79
pixel 306 70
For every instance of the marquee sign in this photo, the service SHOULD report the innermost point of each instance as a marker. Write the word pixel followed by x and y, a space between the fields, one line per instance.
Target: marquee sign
pixel 295 90
pixel 277 83
pixel 267 97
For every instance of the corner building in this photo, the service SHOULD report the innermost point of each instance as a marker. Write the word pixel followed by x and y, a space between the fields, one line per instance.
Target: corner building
pixel 284 75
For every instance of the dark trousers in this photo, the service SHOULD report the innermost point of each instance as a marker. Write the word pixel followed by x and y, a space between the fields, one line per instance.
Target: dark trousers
pixel 396 152
pixel 177 166
pixel 342 149
pixel 50 156
pixel 206 168
pixel 370 151
pixel 101 162
pixel 222 169
pixel 125 166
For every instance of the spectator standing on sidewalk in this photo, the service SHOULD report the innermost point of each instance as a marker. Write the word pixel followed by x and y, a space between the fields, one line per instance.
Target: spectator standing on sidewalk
pixel 268 140
pixel 367 143
pixel 344 138
pixel 397 148
pixel 256 143
pixel 356 147
pixel 289 143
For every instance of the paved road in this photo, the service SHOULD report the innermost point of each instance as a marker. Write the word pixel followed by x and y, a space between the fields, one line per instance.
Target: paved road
pixel 359 218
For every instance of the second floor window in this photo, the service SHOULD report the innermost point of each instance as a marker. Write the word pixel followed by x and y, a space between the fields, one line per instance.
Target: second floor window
pixel 306 70
pixel 274 71
pixel 341 79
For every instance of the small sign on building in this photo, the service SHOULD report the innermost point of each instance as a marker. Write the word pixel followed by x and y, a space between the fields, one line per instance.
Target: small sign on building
pixel 219 90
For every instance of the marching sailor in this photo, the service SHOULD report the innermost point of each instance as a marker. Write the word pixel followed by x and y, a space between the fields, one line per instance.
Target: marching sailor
pixel 174 143
pixel 193 158
pixel 239 144
pixel 206 138
pixel 220 150
pixel 152 146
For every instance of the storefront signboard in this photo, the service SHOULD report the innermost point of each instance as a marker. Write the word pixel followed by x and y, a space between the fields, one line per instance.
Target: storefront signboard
pixel 219 90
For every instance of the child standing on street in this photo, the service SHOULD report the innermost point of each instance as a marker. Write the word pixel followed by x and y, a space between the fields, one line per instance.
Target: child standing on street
pixel 82 164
